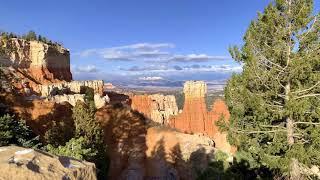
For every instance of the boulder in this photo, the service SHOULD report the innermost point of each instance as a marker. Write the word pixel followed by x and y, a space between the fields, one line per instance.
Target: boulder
pixel 20 163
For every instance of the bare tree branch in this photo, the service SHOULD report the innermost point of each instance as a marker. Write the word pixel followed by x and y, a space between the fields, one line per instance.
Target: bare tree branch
pixel 309 89
pixel 307 95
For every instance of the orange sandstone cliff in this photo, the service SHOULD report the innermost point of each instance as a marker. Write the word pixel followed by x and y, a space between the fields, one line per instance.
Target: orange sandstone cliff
pixel 41 62
pixel 156 107
pixel 196 119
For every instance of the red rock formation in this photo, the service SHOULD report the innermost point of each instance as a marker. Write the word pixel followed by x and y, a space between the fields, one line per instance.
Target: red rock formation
pixel 196 119
pixel 156 107
pixel 142 103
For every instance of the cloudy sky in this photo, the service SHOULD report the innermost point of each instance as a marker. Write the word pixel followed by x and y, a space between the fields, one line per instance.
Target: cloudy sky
pixel 130 41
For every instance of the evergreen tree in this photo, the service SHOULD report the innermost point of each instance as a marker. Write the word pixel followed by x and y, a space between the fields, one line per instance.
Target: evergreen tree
pixel 75 148
pixel 31 36
pixel 275 102
pixel 16 132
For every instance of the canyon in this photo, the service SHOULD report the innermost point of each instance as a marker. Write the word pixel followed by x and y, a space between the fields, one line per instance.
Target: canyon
pixel 147 135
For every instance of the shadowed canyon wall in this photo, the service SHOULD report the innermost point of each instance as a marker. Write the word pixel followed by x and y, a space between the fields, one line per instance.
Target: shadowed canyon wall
pixel 138 151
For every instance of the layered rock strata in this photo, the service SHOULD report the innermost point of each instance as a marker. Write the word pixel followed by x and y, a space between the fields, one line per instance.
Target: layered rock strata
pixel 156 107
pixel 21 163
pixel 78 87
pixel 43 63
pixel 72 99
pixel 196 119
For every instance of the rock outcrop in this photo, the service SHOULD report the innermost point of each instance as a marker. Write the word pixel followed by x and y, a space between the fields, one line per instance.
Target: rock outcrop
pixel 156 107
pixel 43 63
pixel 196 119
pixel 78 87
pixel 72 99
pixel 21 163
pixel 100 101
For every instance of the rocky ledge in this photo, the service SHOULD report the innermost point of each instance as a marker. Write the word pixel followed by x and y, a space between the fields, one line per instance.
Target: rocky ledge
pixel 21 163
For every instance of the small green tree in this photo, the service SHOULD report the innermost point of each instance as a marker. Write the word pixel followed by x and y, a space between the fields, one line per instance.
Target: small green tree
pixel 58 134
pixel 87 142
pixel 31 36
pixel 16 132
pixel 275 101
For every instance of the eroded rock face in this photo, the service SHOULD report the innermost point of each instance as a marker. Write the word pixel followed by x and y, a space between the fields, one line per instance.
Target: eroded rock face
pixel 196 119
pixel 21 163
pixel 72 99
pixel 194 116
pixel 41 62
pixel 78 87
pixel 156 107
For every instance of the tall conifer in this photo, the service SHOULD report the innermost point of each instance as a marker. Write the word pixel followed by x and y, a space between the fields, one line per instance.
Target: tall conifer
pixel 275 101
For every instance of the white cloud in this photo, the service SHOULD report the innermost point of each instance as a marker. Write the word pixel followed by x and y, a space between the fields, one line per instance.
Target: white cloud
pixel 148 52
pixel 193 68
pixel 85 69
pixel 151 78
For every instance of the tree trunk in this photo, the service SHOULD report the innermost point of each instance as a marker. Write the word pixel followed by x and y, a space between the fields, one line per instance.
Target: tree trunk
pixel 294 169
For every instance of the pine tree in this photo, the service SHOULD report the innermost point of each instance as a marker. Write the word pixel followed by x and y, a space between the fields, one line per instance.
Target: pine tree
pixel 275 102
pixel 14 131
pixel 31 36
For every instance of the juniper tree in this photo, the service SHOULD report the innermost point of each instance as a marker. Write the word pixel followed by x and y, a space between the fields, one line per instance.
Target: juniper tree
pixel 275 102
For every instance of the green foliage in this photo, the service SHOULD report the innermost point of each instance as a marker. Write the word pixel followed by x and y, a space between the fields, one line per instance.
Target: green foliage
pixel 16 132
pixel 58 134
pixel 76 148
pixel 31 36
pixel 274 103
pixel 223 169
pixel 87 141
pixel 89 98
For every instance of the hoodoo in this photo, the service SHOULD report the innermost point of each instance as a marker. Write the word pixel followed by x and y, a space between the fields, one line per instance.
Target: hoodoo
pixel 196 119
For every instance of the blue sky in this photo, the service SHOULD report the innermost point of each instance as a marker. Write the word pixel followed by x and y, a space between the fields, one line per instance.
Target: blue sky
pixel 139 40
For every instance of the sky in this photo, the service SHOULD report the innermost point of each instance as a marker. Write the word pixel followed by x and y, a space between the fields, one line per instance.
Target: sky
pixel 140 41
